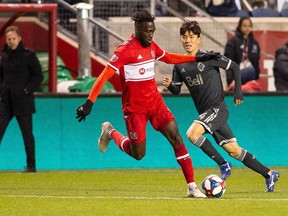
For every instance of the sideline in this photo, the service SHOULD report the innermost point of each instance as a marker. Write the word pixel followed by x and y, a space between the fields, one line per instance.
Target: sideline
pixel 133 198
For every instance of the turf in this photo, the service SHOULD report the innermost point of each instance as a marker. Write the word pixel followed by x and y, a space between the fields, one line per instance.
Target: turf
pixel 138 192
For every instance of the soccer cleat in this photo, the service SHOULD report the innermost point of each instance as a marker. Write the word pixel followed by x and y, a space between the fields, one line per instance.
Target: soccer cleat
pixel 193 191
pixel 270 182
pixel 225 170
pixel 29 169
pixel 104 138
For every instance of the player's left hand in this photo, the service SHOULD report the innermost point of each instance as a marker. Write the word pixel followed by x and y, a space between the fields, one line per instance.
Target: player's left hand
pixel 206 56
pixel 166 81
pixel 83 110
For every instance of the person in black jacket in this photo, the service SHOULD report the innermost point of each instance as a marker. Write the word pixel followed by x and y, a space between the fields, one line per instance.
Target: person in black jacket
pixel 20 76
pixel 244 49
pixel 280 68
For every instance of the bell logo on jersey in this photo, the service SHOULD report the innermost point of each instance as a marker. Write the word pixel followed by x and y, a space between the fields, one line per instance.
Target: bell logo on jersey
pixel 142 71
pixel 196 81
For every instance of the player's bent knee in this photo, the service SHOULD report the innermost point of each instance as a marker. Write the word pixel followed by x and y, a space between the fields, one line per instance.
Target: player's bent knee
pixel 192 138
pixel 232 149
pixel 139 156
pixel 233 154
pixel 188 134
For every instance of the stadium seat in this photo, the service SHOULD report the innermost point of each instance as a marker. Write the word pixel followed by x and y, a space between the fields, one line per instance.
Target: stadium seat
pixel 242 13
pixel 284 12
pixel 265 12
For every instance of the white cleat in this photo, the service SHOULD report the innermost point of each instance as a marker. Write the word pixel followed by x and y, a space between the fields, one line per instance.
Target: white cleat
pixel 194 192
pixel 104 138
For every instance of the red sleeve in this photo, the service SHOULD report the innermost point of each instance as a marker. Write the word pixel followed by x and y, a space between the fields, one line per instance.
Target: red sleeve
pixel 175 58
pixel 105 75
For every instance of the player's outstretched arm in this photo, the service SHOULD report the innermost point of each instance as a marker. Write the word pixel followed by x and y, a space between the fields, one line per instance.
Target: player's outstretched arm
pixel 83 110
pixel 175 58
pixel 238 97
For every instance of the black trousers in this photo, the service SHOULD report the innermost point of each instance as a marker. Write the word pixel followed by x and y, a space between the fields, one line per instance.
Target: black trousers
pixel 25 124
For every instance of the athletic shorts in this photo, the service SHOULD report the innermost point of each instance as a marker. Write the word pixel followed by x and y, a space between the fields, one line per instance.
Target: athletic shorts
pixel 158 114
pixel 215 122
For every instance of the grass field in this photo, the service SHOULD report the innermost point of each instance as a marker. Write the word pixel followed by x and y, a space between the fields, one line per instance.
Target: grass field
pixel 138 192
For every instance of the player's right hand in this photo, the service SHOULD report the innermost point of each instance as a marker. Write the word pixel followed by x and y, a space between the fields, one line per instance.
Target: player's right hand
pixel 83 110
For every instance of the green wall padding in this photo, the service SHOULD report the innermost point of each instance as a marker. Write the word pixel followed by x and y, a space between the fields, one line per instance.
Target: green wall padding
pixel 259 124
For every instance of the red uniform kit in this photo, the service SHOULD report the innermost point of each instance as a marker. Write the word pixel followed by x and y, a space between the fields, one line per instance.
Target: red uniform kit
pixel 141 100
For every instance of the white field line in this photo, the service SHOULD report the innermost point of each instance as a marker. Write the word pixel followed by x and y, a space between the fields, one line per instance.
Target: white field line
pixel 132 198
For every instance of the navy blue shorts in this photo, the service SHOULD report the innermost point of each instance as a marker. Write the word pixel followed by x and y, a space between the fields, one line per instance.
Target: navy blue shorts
pixel 215 122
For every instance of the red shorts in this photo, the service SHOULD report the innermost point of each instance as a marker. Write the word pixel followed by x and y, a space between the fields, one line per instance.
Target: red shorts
pixel 158 114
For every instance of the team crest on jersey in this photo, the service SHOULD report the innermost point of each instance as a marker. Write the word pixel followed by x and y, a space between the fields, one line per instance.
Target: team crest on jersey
pixel 152 53
pixel 133 135
pixel 142 71
pixel 200 66
pixel 114 58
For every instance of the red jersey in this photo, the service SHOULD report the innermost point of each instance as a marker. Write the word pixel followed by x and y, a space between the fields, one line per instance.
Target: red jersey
pixel 135 65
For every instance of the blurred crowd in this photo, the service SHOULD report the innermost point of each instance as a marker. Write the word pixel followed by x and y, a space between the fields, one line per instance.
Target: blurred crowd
pixel 227 8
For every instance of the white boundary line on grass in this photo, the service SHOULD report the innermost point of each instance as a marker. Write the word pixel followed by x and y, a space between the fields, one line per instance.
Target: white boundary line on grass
pixel 137 198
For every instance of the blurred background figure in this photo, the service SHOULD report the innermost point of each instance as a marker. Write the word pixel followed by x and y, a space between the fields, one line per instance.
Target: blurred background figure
pixel 20 76
pixel 284 9
pixel 244 49
pixel 261 9
pixel 223 8
pixel 280 68
pixel 160 10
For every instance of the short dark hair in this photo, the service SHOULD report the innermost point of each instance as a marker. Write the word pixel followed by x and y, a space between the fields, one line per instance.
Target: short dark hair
pixel 142 16
pixel 258 4
pixel 189 25
pixel 13 28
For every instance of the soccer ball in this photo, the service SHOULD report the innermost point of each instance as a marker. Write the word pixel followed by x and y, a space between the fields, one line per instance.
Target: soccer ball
pixel 214 186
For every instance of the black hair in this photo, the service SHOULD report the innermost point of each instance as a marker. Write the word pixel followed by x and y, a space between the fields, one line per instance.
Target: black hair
pixel 258 4
pixel 189 25
pixel 241 20
pixel 142 16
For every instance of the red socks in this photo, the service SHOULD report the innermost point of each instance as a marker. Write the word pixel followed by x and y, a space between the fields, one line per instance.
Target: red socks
pixel 185 162
pixel 180 152
pixel 121 141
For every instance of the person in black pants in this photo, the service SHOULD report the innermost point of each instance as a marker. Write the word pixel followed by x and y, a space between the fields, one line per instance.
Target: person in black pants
pixel 20 76
pixel 280 68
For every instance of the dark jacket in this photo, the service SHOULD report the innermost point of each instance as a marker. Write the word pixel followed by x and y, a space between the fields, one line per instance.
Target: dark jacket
pixel 20 76
pixel 280 68
pixel 234 50
pixel 227 9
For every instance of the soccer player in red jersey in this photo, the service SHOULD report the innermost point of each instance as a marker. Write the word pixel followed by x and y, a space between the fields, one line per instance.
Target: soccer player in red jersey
pixel 141 101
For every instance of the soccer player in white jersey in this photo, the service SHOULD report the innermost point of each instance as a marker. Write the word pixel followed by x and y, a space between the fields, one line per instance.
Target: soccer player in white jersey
pixel 205 86
pixel 134 61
